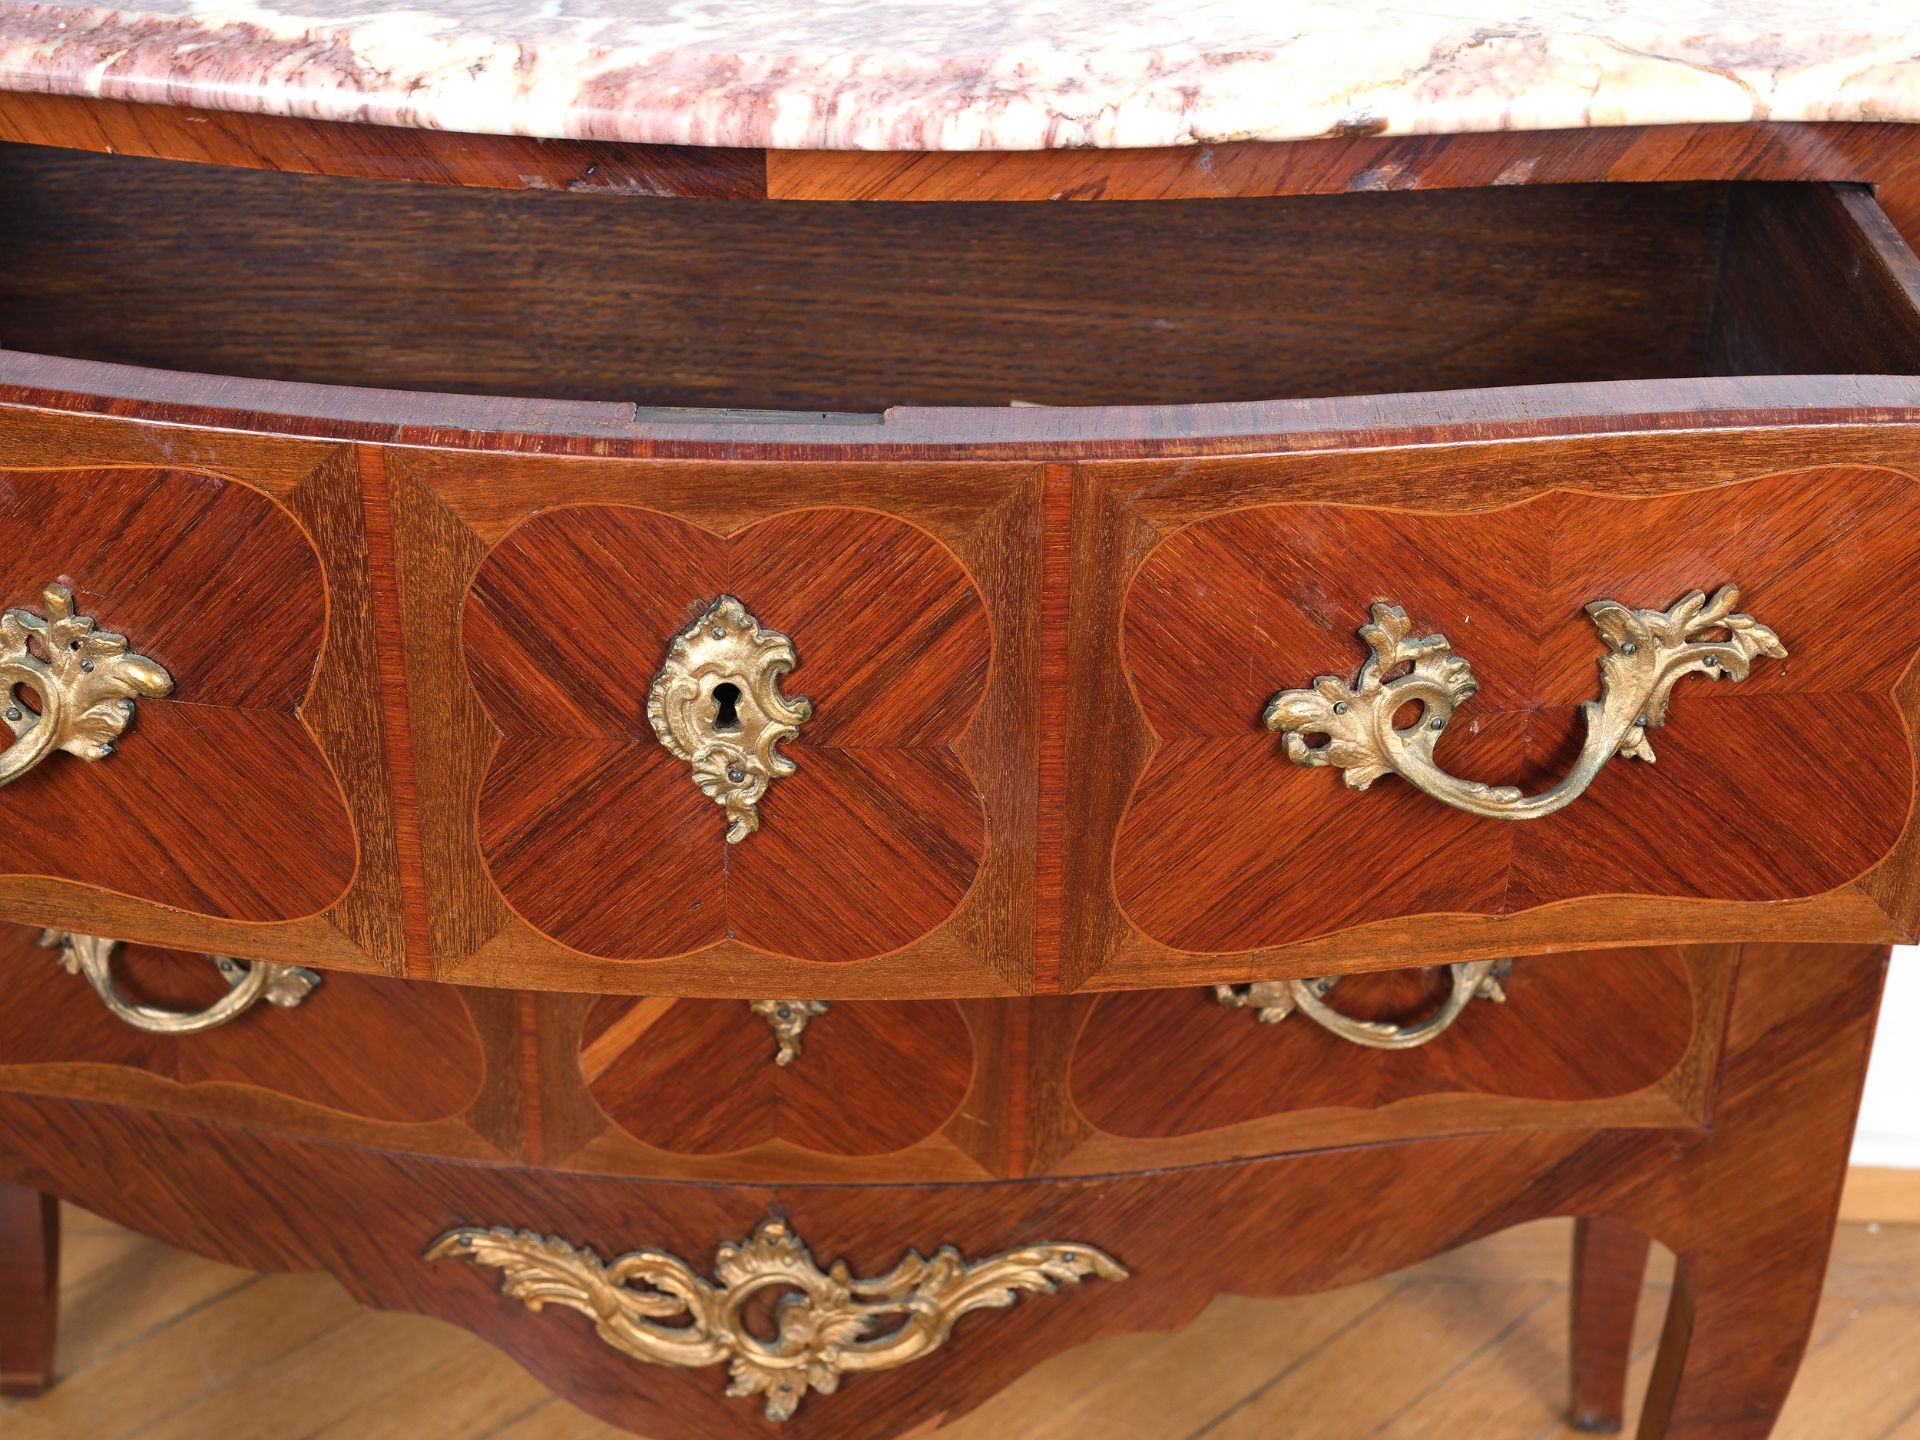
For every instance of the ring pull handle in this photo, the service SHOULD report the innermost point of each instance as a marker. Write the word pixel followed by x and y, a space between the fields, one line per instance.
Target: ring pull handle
pixel 716 704
pixel 1274 1000
pixel 1648 653
pixel 91 956
pixel 83 682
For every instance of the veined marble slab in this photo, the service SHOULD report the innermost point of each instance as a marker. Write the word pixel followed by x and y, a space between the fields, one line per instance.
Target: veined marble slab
pixel 981 74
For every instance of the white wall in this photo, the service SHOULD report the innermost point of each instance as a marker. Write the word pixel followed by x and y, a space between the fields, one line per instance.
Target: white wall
pixel 1889 1132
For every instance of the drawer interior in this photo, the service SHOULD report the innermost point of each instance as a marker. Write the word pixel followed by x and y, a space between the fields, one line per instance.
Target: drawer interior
pixel 859 306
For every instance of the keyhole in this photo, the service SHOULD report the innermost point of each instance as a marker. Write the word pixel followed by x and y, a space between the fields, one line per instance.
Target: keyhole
pixel 726 714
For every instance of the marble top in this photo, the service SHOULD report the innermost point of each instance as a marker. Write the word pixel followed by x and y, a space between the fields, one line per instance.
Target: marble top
pixel 981 74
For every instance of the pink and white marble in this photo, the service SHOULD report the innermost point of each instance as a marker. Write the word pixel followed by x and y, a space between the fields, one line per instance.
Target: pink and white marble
pixel 981 74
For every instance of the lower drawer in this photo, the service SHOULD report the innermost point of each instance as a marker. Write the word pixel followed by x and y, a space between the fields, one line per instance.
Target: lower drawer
pixel 797 1088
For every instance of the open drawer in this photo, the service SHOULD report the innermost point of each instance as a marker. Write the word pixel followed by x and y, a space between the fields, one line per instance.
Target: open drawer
pixel 1394 693
pixel 1050 502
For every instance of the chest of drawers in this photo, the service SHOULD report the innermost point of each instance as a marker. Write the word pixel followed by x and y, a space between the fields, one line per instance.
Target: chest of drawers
pixel 775 734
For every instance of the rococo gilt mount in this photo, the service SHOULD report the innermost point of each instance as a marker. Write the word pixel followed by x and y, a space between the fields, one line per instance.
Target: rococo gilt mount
pixel 1648 652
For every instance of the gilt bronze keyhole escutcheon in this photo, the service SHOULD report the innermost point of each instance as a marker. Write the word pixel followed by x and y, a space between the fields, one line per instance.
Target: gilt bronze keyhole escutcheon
pixel 716 704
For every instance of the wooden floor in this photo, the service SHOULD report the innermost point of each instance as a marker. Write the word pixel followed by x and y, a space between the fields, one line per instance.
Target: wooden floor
pixel 160 1345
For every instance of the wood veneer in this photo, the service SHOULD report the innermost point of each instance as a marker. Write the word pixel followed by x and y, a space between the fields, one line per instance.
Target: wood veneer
pixel 695 1076
pixel 907 591
pixel 1877 153
pixel 379 152
pixel 220 585
pixel 1811 745
pixel 1440 463
pixel 596 834
pixel 442 514
pixel 1464 1346
pixel 345 862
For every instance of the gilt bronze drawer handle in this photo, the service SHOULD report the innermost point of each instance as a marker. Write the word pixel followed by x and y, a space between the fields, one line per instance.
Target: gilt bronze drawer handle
pixel 1648 651
pixel 827 1324
pixel 82 680
pixel 716 704
pixel 788 1020
pixel 91 956
pixel 1274 1000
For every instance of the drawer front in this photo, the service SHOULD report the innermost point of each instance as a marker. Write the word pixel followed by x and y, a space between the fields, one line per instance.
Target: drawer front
pixel 1034 754
pixel 179 767
pixel 1626 1037
pixel 794 1089
pixel 1789 779
pixel 786 1077
pixel 603 838
pixel 581 795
